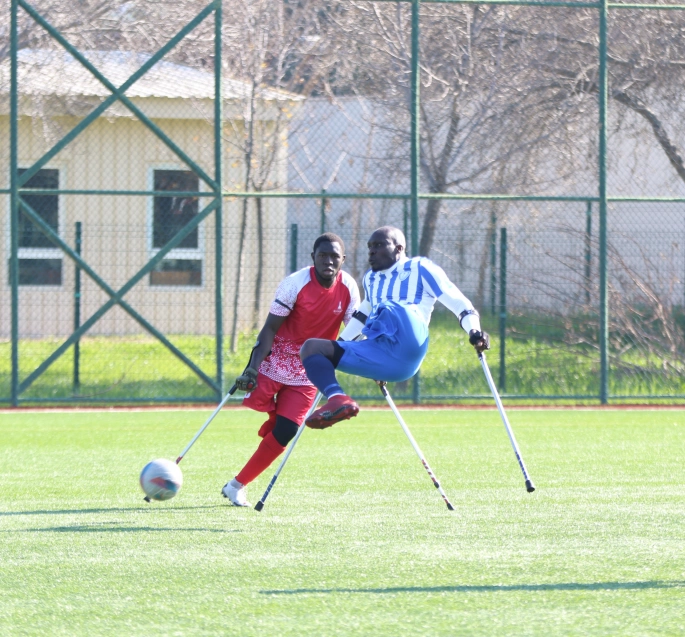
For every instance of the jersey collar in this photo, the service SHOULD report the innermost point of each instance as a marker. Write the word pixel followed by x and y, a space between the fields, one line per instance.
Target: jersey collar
pixel 395 266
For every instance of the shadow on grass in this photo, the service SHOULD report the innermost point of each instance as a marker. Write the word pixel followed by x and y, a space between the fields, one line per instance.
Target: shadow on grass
pixel 148 507
pixel 563 586
pixel 116 529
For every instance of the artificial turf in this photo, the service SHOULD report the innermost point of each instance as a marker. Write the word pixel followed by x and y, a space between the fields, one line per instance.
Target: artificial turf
pixel 354 539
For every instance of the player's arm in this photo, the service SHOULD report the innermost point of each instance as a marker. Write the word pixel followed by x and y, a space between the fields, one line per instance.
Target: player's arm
pixel 247 381
pixel 453 299
pixel 281 307
pixel 354 318
pixel 356 323
pixel 265 339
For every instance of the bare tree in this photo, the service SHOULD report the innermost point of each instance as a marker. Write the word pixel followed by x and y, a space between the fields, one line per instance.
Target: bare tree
pixel 274 48
pixel 485 117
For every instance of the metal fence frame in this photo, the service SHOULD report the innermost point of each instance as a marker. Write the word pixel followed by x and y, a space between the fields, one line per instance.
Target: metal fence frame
pixel 16 201
pixel 602 198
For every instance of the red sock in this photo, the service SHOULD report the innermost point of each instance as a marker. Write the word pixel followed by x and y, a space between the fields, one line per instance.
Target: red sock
pixel 268 425
pixel 266 453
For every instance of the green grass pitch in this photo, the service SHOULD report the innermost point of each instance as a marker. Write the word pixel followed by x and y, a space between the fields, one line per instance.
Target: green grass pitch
pixel 354 539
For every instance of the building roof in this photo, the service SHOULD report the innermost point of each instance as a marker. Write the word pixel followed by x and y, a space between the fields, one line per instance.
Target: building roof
pixel 57 73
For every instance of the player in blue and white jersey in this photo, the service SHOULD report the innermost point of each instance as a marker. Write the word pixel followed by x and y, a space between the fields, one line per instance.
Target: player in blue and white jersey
pixel 400 295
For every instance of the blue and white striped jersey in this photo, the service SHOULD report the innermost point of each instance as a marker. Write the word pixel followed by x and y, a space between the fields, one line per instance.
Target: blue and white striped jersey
pixel 419 282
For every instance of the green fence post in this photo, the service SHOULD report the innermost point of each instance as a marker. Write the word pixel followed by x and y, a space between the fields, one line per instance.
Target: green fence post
pixel 293 247
pixel 323 211
pixel 493 262
pixel 405 218
pixel 218 219
pixel 588 251
pixel 603 279
pixel 502 309
pixel 116 297
pixel 415 131
pixel 14 208
pixel 415 154
pixel 77 311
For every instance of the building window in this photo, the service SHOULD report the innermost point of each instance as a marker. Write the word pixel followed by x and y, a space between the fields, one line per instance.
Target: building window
pixel 177 272
pixel 40 262
pixel 40 271
pixel 182 265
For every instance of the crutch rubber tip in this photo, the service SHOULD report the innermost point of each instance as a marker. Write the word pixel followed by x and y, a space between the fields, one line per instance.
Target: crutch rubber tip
pixel 529 486
pixel 259 506
pixel 450 507
pixel 146 499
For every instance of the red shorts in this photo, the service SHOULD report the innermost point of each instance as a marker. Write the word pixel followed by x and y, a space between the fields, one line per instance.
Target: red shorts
pixel 290 401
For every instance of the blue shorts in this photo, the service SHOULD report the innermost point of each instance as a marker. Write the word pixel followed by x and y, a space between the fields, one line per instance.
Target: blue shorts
pixel 395 346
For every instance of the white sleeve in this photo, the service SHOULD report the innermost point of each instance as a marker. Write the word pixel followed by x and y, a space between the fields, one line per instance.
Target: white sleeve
pixel 355 326
pixel 286 294
pixel 449 295
pixel 354 297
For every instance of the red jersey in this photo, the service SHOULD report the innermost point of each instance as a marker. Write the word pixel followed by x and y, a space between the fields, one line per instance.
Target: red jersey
pixel 312 311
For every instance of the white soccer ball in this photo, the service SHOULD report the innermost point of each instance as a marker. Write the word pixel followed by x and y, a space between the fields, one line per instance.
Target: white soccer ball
pixel 161 479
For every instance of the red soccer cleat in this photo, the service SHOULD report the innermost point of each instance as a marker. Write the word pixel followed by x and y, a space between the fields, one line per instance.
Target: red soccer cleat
pixel 338 408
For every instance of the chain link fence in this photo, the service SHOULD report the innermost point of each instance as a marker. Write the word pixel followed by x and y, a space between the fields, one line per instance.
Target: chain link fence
pixel 532 152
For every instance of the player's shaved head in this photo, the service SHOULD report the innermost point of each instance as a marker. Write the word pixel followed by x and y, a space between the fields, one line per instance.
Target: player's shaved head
pixel 394 234
pixel 386 246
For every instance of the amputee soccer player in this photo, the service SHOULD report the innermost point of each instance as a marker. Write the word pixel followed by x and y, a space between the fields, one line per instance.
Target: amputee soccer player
pixel 312 302
pixel 399 297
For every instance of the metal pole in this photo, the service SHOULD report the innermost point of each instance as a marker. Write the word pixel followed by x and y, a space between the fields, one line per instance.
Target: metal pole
pixel 415 153
pixel 218 219
pixel 498 401
pixel 502 309
pixel 588 250
pixel 293 247
pixel 77 311
pixel 323 211
pixel 603 281
pixel 415 131
pixel 260 505
pixel 14 207
pixel 419 453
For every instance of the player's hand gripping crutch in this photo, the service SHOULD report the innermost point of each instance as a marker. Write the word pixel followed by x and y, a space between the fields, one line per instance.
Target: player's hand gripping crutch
pixel 384 389
pixel 260 505
pixel 529 483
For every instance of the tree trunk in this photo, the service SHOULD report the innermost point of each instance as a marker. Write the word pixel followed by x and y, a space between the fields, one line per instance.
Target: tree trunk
pixel 483 268
pixel 249 147
pixel 430 223
pixel 239 276
pixel 256 318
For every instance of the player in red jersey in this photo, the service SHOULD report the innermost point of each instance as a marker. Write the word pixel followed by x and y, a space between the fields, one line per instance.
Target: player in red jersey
pixel 310 303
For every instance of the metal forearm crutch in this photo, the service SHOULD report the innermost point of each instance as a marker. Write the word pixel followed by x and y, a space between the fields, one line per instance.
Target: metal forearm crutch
pixel 529 483
pixel 384 389
pixel 199 433
pixel 216 411
pixel 260 505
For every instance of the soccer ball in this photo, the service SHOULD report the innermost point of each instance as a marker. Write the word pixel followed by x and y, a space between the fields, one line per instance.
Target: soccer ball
pixel 161 479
